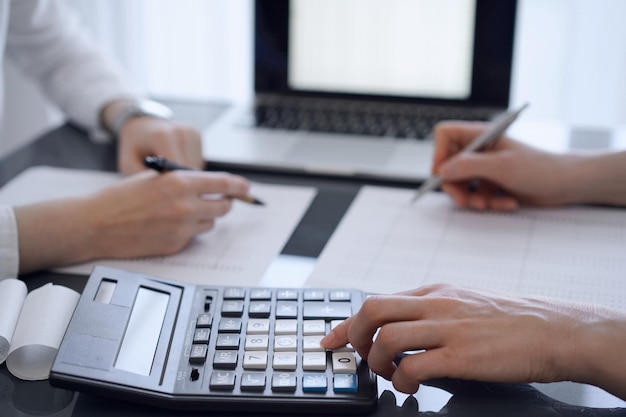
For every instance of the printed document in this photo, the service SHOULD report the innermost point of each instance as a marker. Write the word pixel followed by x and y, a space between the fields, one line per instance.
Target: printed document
pixel 237 251
pixel 385 244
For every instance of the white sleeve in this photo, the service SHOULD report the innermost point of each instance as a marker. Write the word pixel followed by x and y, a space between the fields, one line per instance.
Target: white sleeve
pixel 9 249
pixel 46 40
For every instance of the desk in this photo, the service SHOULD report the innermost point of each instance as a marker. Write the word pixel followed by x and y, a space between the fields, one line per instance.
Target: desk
pixel 68 147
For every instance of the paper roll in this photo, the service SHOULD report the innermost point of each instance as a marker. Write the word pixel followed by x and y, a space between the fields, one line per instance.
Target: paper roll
pixel 12 295
pixel 45 316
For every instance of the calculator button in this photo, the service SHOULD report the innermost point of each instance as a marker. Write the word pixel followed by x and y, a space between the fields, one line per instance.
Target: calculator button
pixel 285 327
pixel 229 325
pixel 339 295
pixel 314 383
pixel 255 360
pixel 285 361
pixel 225 359
pixel 252 381
pixel 227 341
pixel 222 380
pixel 198 353
pixel 260 294
pixel 335 323
pixel 288 343
pixel 232 308
pixel 256 342
pixel 234 294
pixel 204 320
pixel 284 381
pixel 314 361
pixel 259 309
pixel 345 383
pixel 258 326
pixel 326 310
pixel 344 363
pixel 287 295
pixel 286 309
pixel 312 344
pixel 314 295
pixel 313 327
pixel 201 336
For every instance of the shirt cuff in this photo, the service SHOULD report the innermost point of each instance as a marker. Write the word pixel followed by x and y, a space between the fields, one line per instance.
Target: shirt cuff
pixel 9 248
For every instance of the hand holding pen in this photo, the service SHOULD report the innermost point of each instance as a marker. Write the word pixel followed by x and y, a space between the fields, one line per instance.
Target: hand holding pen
pixel 161 164
pixel 463 140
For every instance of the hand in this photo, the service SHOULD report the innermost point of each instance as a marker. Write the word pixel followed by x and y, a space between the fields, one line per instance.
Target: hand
pixel 482 336
pixel 146 136
pixel 143 215
pixel 502 177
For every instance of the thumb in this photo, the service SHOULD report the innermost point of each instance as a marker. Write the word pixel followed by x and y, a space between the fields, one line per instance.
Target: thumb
pixel 474 165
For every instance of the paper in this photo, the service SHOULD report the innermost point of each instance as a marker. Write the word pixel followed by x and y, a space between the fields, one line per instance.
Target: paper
pixel 12 296
pixel 384 244
pixel 237 251
pixel 35 326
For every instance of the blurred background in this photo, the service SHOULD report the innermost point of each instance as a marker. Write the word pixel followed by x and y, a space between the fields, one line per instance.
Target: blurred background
pixel 569 59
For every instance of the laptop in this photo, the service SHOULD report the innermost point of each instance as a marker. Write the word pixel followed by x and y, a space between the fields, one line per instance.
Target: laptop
pixel 353 87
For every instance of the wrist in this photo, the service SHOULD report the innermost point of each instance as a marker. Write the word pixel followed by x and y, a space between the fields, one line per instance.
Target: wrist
pixel 598 347
pixel 597 178
pixel 117 113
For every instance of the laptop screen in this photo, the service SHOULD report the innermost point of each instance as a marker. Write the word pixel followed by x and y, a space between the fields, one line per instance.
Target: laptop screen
pixel 412 48
pixel 418 51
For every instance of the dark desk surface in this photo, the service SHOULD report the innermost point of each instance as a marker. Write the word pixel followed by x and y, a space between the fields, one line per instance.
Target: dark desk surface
pixel 68 147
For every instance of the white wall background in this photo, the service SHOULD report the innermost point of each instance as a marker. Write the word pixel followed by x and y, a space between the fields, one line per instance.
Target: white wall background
pixel 570 57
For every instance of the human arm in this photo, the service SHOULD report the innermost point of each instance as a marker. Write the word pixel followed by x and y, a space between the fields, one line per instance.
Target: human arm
pixel 46 40
pixel 511 173
pixel 484 336
pixel 142 215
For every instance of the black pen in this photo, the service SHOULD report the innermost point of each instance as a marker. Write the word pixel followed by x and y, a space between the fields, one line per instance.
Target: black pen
pixel 160 164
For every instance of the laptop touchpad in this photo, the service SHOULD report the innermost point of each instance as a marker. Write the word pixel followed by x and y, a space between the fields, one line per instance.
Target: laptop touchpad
pixel 338 152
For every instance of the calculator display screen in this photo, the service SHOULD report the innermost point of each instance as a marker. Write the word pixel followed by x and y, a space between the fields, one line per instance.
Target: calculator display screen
pixel 140 341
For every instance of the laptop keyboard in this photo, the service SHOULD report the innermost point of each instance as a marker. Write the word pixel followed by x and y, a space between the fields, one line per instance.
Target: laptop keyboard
pixel 397 121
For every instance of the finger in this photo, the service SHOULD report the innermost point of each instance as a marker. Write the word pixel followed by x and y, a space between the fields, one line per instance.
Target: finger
pixel 495 198
pixel 396 338
pixel 451 137
pixel 205 225
pixel 191 145
pixel 476 165
pixel 409 373
pixel 130 162
pixel 477 201
pixel 422 366
pixel 459 192
pixel 206 183
pixel 210 209
pixel 377 311
pixel 338 337
pixel 165 141
pixel 504 203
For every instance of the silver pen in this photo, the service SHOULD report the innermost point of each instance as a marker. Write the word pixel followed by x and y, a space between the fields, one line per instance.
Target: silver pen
pixel 497 128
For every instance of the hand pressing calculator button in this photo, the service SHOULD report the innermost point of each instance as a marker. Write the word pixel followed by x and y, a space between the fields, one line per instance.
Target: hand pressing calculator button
pixel 204 347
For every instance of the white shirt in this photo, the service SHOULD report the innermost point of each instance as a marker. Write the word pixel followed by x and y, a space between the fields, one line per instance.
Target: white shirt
pixel 45 40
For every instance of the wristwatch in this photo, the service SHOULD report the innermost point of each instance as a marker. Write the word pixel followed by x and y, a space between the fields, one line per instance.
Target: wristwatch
pixel 137 108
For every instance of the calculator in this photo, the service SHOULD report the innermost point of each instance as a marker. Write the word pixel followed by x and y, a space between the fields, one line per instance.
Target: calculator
pixel 203 347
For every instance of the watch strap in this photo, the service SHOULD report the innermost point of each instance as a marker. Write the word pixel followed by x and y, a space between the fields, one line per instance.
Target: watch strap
pixel 138 108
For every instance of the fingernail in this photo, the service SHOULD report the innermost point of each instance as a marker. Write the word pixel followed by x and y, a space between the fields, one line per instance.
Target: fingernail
pixel 327 340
